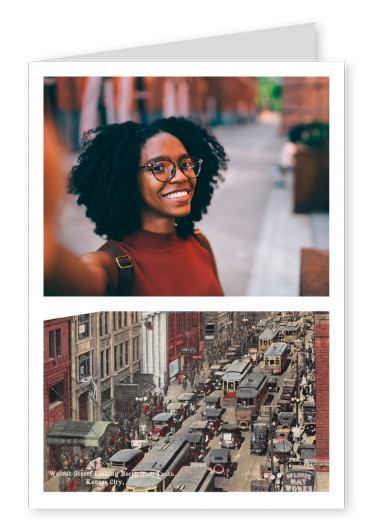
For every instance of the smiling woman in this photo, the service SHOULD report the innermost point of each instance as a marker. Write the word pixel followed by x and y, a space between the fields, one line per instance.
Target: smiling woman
pixel 144 187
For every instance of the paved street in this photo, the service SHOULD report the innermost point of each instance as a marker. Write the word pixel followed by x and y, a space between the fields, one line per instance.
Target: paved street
pixel 245 466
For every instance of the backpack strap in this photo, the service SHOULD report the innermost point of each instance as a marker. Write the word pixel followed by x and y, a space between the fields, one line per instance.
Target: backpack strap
pixel 124 266
pixel 204 242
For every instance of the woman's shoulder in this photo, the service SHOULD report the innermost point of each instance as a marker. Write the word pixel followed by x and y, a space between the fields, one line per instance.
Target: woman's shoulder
pixel 202 239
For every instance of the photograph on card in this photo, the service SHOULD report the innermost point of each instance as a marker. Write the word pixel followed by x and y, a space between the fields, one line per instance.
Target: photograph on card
pixel 187 402
pixel 186 186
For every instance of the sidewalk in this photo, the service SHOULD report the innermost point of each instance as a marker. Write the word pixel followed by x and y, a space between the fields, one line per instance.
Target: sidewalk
pixel 276 266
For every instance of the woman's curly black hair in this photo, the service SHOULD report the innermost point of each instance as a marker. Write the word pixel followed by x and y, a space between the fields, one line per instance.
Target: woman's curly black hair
pixel 105 177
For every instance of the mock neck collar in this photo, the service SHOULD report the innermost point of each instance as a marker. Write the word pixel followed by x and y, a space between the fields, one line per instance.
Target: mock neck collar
pixel 153 241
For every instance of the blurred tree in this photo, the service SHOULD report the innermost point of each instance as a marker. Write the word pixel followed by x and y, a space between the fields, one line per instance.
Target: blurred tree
pixel 269 90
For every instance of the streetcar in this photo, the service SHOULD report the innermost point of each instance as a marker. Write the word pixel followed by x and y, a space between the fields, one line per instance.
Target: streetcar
pixel 276 358
pixel 250 395
pixel 157 469
pixel 193 478
pixel 232 378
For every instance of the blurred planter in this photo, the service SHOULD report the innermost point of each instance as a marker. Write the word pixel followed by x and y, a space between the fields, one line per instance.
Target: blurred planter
pixel 311 187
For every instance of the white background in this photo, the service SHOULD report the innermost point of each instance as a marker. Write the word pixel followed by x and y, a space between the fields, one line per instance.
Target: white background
pixel 40 30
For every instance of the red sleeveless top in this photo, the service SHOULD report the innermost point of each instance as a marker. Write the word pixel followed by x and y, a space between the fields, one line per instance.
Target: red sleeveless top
pixel 166 265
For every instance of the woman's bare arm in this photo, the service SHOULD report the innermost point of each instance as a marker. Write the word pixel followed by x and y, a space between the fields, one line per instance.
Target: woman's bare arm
pixel 67 274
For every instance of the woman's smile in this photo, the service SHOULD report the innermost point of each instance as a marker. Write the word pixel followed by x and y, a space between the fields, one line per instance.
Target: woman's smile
pixel 179 195
pixel 167 199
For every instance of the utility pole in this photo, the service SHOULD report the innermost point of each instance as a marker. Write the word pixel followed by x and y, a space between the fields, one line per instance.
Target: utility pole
pixel 271 441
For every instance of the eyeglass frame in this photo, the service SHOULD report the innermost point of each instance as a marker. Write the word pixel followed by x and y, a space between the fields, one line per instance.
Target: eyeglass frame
pixel 173 171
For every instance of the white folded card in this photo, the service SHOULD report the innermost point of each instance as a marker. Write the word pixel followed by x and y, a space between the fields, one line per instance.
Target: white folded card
pixel 244 235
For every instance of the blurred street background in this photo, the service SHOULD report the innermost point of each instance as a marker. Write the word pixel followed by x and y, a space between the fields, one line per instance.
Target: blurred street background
pixel 268 222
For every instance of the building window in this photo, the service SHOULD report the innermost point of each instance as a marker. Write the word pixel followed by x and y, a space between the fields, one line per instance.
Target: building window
pixel 136 345
pixel 103 323
pixel 106 395
pixel 126 352
pixel 120 319
pixel 54 343
pixel 83 326
pixel 51 343
pixel 84 365
pixel 55 393
pixel 58 342
pixel 105 363
pixel 126 323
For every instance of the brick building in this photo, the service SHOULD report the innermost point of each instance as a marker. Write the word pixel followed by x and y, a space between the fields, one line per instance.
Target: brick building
pixel 56 371
pixel 56 393
pixel 322 399
pixel 184 341
pixel 304 100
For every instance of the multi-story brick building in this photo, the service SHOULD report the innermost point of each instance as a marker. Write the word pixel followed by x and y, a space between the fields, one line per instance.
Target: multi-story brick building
pixel 56 377
pixel 106 351
pixel 322 399
pixel 304 100
pixel 184 341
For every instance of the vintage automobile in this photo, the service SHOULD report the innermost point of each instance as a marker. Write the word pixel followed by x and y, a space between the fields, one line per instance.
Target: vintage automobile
pixel 196 446
pixel 205 386
pixel 261 485
pixel 178 410
pixel 282 449
pixel 259 438
pixel 189 401
pixel 288 390
pixel 309 417
pixel 217 379
pixel 286 418
pixel 214 400
pixel 213 369
pixel 201 426
pixel 163 424
pixel 230 437
pixel 213 416
pixel 220 462
pixel 273 384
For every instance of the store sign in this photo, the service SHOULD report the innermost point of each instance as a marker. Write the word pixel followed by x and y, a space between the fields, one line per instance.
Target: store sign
pixel 299 481
pixel 188 350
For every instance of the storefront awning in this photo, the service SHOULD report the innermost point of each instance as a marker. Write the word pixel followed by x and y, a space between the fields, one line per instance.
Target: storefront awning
pixel 76 433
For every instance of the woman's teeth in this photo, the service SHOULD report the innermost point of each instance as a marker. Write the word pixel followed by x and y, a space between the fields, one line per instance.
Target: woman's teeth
pixel 176 194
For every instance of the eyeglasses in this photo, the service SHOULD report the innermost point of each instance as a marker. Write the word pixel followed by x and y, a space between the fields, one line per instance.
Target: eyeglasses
pixel 165 170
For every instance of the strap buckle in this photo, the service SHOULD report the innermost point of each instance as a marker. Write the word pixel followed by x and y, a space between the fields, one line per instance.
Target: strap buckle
pixel 128 259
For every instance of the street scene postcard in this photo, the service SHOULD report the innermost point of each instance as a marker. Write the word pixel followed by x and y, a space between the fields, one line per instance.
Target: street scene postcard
pixel 187 402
